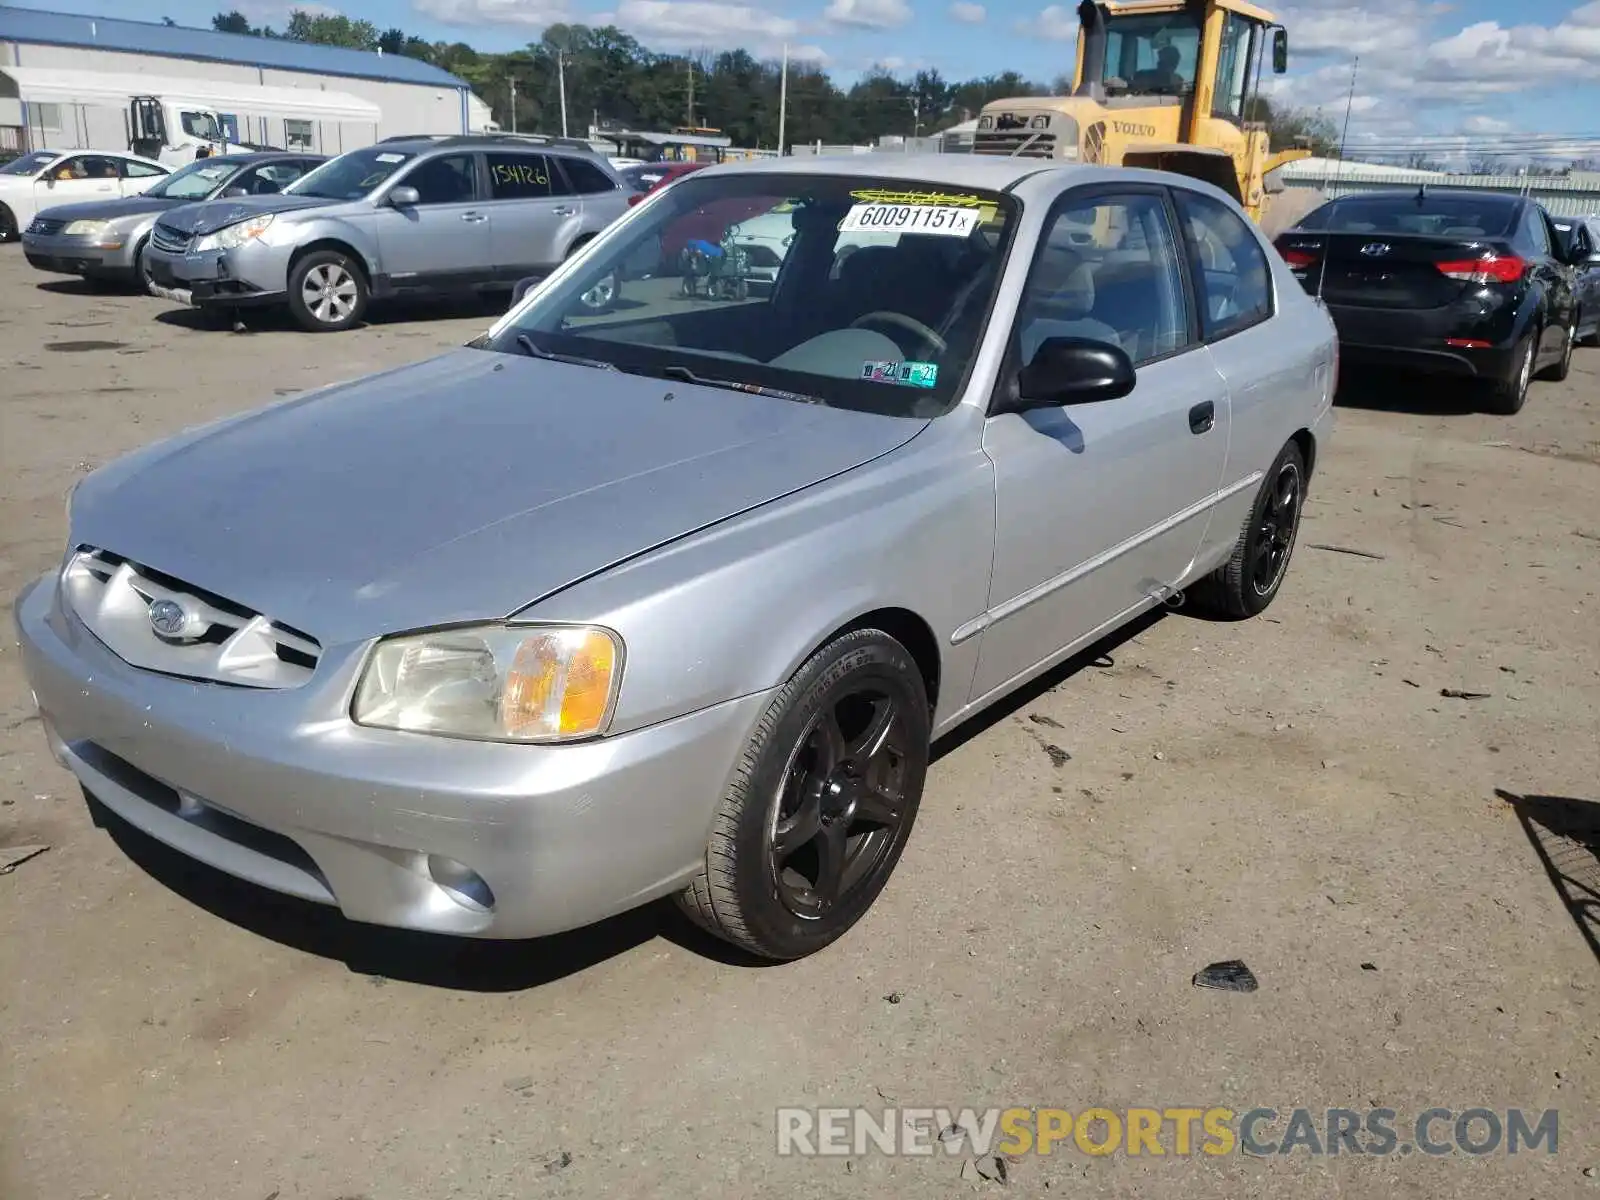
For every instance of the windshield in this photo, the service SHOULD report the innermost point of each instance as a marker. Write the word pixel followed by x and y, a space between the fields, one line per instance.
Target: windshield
pixel 1152 54
pixel 201 125
pixel 863 293
pixel 195 181
pixel 27 164
pixel 350 176
pixel 1435 216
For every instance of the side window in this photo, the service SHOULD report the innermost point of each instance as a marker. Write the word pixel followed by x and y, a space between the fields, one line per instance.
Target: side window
pixel 139 170
pixel 1107 270
pixel 297 135
pixel 448 179
pixel 1538 233
pixel 271 179
pixel 522 177
pixel 1233 69
pixel 1232 279
pixel 586 178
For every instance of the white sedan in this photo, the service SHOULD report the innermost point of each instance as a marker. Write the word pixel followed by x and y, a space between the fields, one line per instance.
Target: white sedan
pixel 46 178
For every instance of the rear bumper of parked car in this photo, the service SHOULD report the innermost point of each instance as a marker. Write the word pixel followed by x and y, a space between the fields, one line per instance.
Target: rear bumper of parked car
pixel 76 255
pixel 1440 341
pixel 269 787
pixel 252 274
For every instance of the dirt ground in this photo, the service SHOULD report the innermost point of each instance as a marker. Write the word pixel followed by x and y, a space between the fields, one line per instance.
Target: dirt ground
pixel 1293 791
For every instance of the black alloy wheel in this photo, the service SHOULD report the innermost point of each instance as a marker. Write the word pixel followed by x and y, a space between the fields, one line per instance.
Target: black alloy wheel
pixel 821 804
pixel 840 803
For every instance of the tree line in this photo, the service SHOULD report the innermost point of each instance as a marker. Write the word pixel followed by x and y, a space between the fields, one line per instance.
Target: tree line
pixel 611 77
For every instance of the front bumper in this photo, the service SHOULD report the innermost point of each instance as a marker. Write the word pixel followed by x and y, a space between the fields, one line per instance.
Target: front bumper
pixel 266 786
pixel 76 255
pixel 1419 340
pixel 252 274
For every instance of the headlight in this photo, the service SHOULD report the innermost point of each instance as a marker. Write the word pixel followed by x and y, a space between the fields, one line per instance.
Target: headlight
pixel 86 228
pixel 500 683
pixel 235 235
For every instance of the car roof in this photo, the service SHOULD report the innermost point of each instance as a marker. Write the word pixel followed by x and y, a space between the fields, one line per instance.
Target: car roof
pixel 422 143
pixel 956 170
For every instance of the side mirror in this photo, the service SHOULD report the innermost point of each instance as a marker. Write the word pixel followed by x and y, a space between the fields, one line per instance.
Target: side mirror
pixel 234 193
pixel 405 197
pixel 1280 50
pixel 1071 370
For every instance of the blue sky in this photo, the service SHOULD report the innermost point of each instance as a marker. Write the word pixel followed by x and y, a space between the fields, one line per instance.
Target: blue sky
pixel 1428 67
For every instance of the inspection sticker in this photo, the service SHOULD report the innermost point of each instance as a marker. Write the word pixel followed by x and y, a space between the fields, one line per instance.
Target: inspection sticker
pixel 912 374
pixel 910 218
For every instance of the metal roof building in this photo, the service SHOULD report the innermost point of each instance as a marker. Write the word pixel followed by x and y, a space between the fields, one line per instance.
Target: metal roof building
pixel 394 94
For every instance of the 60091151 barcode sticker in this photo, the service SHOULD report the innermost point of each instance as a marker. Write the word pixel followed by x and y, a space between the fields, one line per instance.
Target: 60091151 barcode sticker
pixel 910 218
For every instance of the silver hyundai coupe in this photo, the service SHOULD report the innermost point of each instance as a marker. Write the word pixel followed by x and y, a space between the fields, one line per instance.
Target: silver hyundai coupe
pixel 670 601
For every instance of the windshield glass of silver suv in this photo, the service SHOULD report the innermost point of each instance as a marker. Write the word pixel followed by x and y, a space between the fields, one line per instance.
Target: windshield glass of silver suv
pixel 351 176
pixel 861 293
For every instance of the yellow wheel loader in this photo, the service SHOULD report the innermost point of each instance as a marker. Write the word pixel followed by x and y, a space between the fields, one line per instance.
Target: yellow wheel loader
pixel 1165 84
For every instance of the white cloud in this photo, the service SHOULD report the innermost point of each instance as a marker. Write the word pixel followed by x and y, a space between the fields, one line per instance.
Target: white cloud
pixel 974 14
pixel 1482 124
pixel 869 14
pixel 1056 23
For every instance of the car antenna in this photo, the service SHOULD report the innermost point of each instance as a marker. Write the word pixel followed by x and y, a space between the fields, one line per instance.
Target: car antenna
pixel 1344 138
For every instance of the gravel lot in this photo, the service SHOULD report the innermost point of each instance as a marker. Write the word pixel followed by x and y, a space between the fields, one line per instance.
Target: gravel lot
pixel 1293 791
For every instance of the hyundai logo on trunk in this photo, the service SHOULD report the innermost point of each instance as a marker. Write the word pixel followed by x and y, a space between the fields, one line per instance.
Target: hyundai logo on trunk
pixel 1374 249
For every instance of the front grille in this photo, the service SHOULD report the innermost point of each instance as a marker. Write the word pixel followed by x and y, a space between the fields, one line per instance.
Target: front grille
pixel 1022 143
pixel 165 237
pixel 46 228
pixel 219 640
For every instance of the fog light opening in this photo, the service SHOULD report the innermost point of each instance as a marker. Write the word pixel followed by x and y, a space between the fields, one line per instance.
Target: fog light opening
pixel 461 883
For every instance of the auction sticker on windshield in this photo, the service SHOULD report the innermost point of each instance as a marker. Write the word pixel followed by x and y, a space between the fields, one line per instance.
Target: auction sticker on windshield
pixel 910 218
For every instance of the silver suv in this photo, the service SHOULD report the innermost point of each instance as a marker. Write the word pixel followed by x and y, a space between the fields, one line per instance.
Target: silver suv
pixel 407 217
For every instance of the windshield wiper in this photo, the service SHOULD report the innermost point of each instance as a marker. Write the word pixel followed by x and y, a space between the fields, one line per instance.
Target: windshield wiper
pixel 677 371
pixel 576 360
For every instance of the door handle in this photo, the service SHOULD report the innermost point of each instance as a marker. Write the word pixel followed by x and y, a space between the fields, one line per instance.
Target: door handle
pixel 564 211
pixel 1202 417
pixel 474 217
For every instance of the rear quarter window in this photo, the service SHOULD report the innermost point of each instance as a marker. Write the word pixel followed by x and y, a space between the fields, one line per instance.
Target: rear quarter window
pixel 1232 278
pixel 587 179
pixel 522 177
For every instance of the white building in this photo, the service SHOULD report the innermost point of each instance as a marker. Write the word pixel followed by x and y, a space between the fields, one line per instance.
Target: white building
pixel 66 81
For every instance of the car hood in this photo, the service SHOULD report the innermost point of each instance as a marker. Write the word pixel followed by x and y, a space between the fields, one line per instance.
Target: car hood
pixel 108 210
pixel 462 488
pixel 208 216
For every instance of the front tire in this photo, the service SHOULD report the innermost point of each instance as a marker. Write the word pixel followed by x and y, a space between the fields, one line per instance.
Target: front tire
pixel 1508 395
pixel 8 226
pixel 822 802
pixel 327 292
pixel 1248 582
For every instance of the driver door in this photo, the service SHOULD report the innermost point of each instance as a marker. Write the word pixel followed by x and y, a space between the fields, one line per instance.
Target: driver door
pixel 443 240
pixel 1100 507
pixel 76 178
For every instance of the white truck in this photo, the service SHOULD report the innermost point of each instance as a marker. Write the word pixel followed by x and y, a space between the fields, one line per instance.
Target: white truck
pixel 179 120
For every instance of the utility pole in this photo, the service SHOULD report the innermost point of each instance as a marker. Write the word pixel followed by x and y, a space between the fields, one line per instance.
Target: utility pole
pixel 783 98
pixel 513 81
pixel 691 94
pixel 561 84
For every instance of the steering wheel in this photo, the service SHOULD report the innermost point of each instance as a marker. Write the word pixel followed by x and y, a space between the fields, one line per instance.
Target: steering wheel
pixel 904 323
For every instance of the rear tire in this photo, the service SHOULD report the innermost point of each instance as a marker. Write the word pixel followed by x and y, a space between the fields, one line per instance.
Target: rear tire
pixel 1590 339
pixel 8 226
pixel 821 804
pixel 327 292
pixel 1248 582
pixel 1507 396
pixel 1563 368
